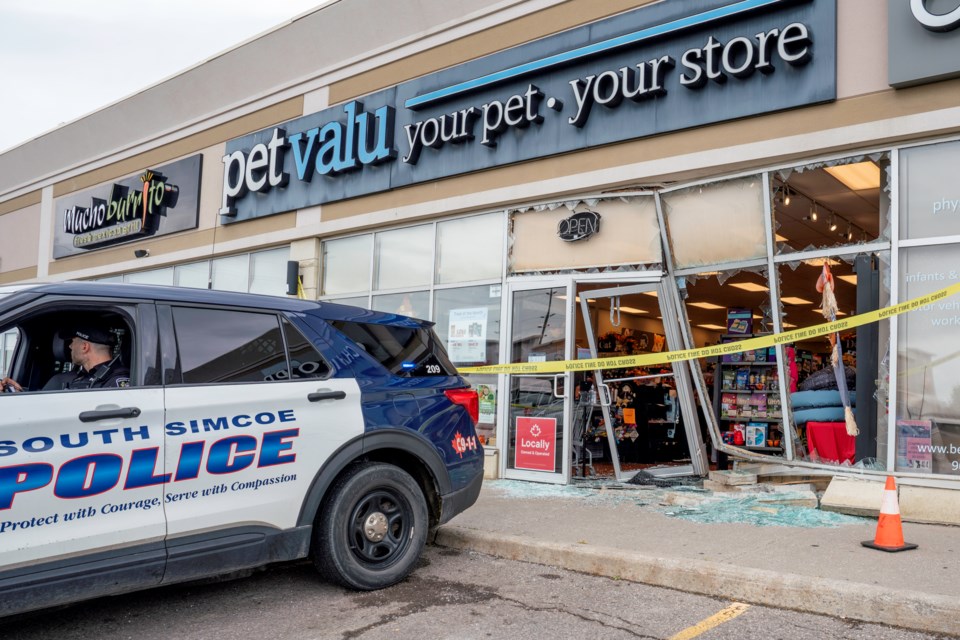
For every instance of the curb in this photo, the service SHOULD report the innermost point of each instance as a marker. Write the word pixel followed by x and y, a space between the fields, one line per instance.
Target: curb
pixel 837 598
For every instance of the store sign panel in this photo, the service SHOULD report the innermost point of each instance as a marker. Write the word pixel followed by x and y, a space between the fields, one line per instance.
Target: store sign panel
pixel 155 202
pixel 924 41
pixel 660 68
pixel 536 444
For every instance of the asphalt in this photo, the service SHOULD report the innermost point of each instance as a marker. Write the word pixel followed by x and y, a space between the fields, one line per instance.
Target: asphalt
pixel 754 547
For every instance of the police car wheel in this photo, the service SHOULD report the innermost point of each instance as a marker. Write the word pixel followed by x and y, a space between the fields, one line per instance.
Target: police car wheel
pixel 370 533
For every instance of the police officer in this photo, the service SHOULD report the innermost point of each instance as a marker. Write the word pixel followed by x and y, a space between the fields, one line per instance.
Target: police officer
pixel 90 350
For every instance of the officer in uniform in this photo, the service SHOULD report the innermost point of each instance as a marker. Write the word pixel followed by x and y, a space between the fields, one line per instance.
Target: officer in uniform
pixel 91 352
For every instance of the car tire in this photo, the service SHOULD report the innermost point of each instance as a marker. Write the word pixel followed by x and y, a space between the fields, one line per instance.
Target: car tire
pixel 370 532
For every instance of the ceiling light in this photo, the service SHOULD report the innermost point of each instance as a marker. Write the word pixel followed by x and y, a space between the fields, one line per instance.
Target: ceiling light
pixel 787 325
pixel 851 279
pixel 712 327
pixel 705 305
pixel 749 286
pixel 780 238
pixel 794 300
pixel 849 232
pixel 786 196
pixel 650 293
pixel 841 313
pixel 633 310
pixel 858 177
pixel 833 224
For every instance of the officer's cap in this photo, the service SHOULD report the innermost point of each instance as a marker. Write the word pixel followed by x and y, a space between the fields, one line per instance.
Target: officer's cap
pixel 92 333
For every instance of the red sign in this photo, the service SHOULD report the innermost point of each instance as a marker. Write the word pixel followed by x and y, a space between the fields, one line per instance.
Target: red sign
pixel 536 439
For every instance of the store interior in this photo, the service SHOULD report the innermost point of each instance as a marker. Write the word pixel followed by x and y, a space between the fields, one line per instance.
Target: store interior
pixel 818 209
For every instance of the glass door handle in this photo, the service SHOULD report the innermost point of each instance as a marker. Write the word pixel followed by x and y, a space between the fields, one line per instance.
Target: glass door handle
pixel 604 395
pixel 556 386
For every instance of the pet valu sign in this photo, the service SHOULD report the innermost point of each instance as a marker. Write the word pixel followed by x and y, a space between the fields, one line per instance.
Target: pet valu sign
pixel 156 201
pixel 659 68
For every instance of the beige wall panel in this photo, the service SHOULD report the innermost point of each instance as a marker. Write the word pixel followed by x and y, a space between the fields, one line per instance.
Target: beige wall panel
pixel 861 47
pixel 253 228
pixel 262 119
pixel 15 204
pixel 124 253
pixel 628 234
pixel 878 106
pixel 555 19
pixel 19 231
pixel 211 186
pixel 18 276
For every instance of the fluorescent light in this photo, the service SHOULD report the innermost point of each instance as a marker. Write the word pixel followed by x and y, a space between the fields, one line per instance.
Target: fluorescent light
pixel 650 293
pixel 818 262
pixel 841 313
pixel 794 300
pixel 749 286
pixel 705 305
pixel 858 177
pixel 787 325
pixel 780 238
pixel 852 279
pixel 633 310
pixel 712 327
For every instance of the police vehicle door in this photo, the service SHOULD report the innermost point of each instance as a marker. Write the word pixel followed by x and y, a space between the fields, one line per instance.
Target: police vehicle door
pixel 81 470
pixel 246 432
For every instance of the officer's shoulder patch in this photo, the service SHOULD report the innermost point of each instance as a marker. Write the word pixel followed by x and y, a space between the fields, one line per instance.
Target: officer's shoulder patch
pixel 123 382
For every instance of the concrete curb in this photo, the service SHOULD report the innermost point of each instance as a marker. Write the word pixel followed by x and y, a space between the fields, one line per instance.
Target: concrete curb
pixel 907 609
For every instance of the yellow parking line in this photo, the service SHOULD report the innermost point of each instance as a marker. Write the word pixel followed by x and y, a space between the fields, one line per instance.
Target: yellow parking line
pixel 715 620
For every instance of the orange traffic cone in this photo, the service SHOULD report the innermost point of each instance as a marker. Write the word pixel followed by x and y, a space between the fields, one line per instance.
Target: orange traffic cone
pixel 889 530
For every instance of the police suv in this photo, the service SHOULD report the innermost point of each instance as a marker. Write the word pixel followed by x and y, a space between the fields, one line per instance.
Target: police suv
pixel 252 430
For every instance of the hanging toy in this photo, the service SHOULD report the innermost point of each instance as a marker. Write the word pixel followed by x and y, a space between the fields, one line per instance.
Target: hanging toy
pixel 828 306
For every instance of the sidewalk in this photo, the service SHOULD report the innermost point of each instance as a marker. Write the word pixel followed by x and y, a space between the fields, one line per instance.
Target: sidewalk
pixel 672 538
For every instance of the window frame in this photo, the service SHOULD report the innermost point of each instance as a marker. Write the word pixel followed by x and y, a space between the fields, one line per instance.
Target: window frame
pixel 172 367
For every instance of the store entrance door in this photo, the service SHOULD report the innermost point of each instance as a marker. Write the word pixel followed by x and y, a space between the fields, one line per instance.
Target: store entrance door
pixel 538 407
pixel 644 417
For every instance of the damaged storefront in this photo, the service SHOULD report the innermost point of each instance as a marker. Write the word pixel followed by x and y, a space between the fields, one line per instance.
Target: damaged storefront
pixel 619 184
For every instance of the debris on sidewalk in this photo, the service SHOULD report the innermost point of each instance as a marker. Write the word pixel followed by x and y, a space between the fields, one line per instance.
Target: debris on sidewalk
pixel 758 505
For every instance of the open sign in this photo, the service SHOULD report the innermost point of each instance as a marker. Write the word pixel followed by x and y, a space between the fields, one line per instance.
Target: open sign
pixel 579 226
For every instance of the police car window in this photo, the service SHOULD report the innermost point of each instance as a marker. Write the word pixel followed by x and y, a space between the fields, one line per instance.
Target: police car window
pixel 305 360
pixel 217 346
pixel 402 350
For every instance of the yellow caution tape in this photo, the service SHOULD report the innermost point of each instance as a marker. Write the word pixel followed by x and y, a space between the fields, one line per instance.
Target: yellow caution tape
pixel 648 359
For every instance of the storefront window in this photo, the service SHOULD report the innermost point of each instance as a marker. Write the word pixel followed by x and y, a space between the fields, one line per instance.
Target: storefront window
pixel 361 301
pixel 832 204
pixel 820 394
pixel 716 223
pixel 468 323
pixel 231 274
pixel 404 257
pixel 346 265
pixel 928 365
pixel 155 276
pixel 415 304
pixel 195 275
pixel 470 249
pixel 268 272
pixel 743 388
pixel 930 191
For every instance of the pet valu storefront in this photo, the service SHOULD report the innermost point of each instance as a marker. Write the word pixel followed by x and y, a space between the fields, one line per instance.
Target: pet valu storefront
pixel 722 235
